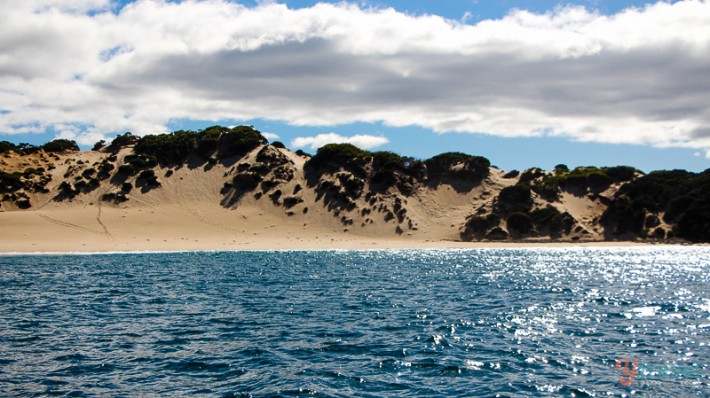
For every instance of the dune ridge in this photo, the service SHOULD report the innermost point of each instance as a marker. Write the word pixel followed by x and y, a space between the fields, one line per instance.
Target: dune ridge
pixel 229 189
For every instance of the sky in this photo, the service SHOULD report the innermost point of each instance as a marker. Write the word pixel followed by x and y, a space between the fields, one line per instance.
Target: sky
pixel 525 83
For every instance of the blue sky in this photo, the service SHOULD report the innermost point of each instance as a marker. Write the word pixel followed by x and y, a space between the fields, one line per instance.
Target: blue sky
pixel 478 9
pixel 504 153
pixel 647 138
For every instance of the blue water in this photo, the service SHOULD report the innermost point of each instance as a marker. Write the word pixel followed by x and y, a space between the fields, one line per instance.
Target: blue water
pixel 434 323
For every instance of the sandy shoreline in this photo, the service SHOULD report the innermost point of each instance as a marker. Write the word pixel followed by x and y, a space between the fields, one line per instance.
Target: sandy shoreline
pixel 316 246
pixel 167 229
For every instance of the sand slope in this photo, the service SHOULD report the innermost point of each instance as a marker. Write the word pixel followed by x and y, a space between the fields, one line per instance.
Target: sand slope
pixel 193 209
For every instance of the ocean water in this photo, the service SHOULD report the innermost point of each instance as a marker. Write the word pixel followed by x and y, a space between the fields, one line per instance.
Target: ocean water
pixel 431 323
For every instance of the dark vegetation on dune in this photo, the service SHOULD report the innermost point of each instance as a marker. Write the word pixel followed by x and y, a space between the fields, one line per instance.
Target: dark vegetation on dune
pixel 682 197
pixel 54 146
pixel 178 147
pixel 515 204
pixel 347 180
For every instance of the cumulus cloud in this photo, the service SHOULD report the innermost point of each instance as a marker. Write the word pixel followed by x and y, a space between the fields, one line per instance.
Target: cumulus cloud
pixel 270 136
pixel 641 76
pixel 87 138
pixel 363 141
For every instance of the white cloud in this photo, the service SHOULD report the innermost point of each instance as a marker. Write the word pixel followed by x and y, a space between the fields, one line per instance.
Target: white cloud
pixel 270 136
pixel 87 138
pixel 363 141
pixel 63 5
pixel 641 76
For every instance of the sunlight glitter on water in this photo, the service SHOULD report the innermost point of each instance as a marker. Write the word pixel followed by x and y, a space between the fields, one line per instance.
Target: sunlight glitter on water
pixel 514 322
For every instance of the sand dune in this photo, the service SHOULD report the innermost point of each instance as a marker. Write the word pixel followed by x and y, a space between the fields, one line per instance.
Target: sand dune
pixel 204 206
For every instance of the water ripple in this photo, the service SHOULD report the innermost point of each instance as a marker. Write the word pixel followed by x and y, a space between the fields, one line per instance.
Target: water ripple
pixel 435 323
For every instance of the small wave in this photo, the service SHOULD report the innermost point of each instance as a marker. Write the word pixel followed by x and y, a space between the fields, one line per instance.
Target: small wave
pixel 195 366
pixel 79 370
pixel 479 322
pixel 71 358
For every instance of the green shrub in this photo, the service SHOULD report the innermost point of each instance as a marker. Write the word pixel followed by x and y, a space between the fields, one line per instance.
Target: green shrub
pixel 30 171
pixel 337 153
pixel 599 181
pixel 574 181
pixel 352 186
pixel 10 182
pixel 148 179
pixel 105 169
pixel 246 181
pixel 6 146
pixel 88 173
pixel 208 141
pixel 382 179
pixel 547 186
pixel 27 149
pixel 659 233
pixel 477 226
pixel 549 219
pixel 443 162
pixel 126 187
pixel 147 175
pixel 291 201
pixel 275 196
pixel 278 144
pixel 511 174
pixel 67 189
pixel 594 177
pixel 271 156
pixel 126 170
pixel 516 198
pixel 239 141
pixel 544 216
pixel 581 178
pixel 561 169
pixel 694 224
pixel 116 197
pixel 653 191
pixel 561 223
pixel 60 145
pixel 87 186
pixel 548 189
pixel 683 196
pixel 474 167
pixel 519 223
pixel 23 203
pixel 384 160
pixel 676 207
pixel 168 149
pixel 530 175
pixel 652 221
pixel 122 141
pixel 99 145
pixel 621 173
pixel 333 157
pixel 141 161
pixel 624 216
